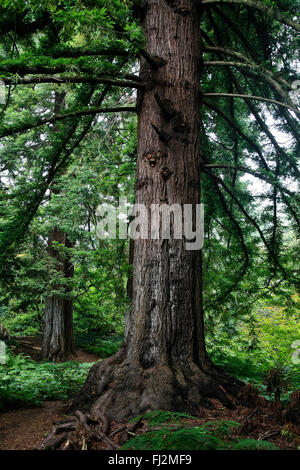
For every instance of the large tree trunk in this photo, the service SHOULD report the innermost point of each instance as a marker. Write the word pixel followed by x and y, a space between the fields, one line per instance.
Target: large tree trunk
pixel 163 363
pixel 58 340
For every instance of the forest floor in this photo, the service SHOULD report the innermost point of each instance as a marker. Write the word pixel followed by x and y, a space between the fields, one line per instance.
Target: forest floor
pixel 24 428
pixel 32 346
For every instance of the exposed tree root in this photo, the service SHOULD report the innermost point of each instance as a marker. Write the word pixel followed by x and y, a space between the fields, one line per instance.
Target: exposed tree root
pixel 84 431
pixel 121 391
pixel 78 432
pixel 115 391
pixel 81 432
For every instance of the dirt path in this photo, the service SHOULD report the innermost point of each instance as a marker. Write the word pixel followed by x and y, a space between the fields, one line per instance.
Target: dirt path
pixel 23 429
pixel 32 346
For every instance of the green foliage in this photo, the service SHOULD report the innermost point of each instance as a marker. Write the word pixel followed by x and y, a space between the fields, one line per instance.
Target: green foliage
pixel 23 324
pixel 184 439
pixel 23 380
pixel 215 435
pixel 158 417
pixel 98 288
pixel 253 346
pixel 95 343
pixel 252 444
pixel 222 428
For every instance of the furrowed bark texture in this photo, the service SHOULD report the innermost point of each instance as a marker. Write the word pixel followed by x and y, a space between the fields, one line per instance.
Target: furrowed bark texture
pixel 165 302
pixel 163 363
pixel 58 341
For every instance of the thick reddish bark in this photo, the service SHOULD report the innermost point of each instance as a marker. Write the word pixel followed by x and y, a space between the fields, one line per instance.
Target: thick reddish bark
pixel 163 363
pixel 58 341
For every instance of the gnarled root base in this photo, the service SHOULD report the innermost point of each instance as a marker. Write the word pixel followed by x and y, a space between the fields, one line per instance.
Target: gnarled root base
pixel 121 390
pixel 116 391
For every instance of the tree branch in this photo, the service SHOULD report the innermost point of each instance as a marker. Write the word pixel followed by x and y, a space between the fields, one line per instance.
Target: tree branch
pixel 259 152
pixel 258 69
pixel 234 126
pixel 83 52
pixel 259 6
pixel 273 81
pixel 266 130
pixel 252 97
pixel 250 172
pixel 242 240
pixel 50 120
pixel 251 219
pixel 22 70
pixel 70 79
pixel 238 55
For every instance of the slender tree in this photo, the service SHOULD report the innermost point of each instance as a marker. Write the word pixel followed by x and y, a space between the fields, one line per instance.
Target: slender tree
pixel 183 104
pixel 58 339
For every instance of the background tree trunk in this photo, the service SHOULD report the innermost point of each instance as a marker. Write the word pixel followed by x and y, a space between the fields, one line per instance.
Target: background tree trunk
pixel 58 339
pixel 163 363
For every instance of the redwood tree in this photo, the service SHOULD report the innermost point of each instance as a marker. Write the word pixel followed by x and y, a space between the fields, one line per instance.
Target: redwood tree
pixel 163 362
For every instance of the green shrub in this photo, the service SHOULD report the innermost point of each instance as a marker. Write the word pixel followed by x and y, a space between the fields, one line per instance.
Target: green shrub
pixel 261 344
pixel 96 344
pixel 252 444
pixel 158 417
pixel 23 380
pixel 23 324
pixel 196 438
pixel 166 439
pixel 213 435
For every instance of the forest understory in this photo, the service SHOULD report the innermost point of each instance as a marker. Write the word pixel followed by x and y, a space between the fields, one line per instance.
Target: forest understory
pixel 51 426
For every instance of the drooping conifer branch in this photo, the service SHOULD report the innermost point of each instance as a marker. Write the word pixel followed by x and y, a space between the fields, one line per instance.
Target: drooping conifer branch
pixel 284 192
pixel 271 79
pixel 253 97
pixel 239 33
pixel 70 79
pixel 263 126
pixel 290 121
pixel 237 128
pixel 257 69
pixel 251 219
pixel 254 173
pixel 10 130
pixel 240 234
pixel 238 55
pixel 272 13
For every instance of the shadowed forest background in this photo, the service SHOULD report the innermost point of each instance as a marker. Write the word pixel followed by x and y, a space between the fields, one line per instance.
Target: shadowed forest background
pixel 76 79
